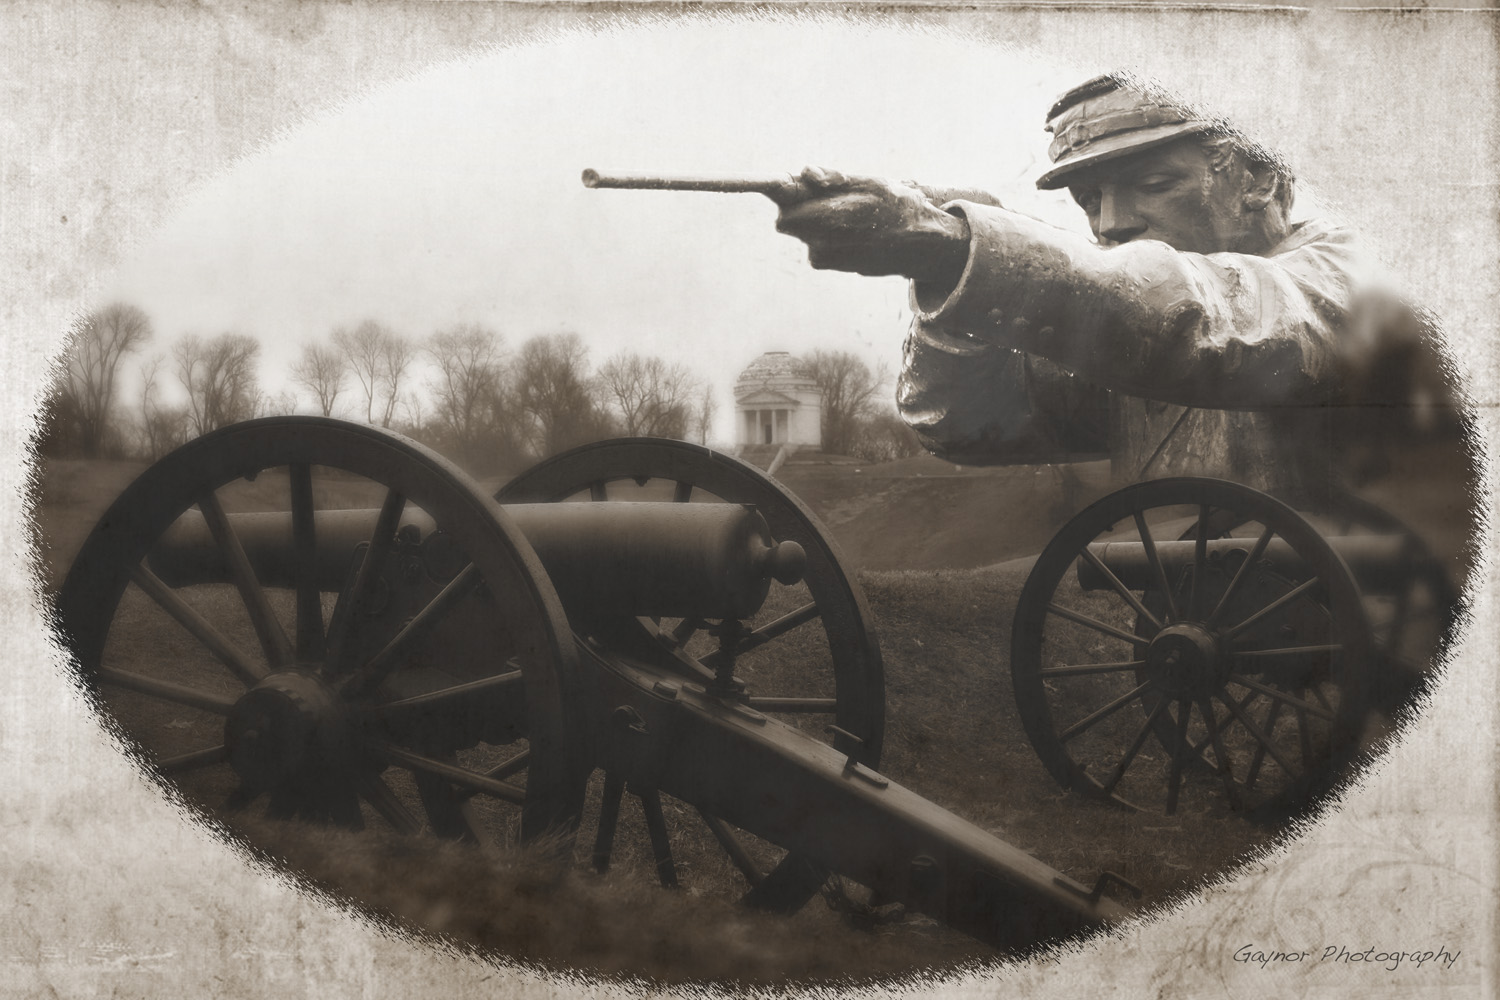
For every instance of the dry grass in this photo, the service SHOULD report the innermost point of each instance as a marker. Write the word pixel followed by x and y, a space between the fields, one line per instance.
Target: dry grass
pixel 521 906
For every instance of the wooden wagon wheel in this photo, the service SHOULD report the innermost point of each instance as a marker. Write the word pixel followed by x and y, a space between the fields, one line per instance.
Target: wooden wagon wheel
pixel 236 692
pixel 1242 641
pixel 1411 601
pixel 810 656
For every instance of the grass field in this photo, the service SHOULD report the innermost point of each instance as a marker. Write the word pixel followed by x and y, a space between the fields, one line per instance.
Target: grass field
pixel 953 734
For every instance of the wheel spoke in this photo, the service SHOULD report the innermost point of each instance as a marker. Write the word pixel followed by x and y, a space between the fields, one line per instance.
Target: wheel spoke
pixel 661 844
pixel 511 767
pixel 309 630
pixel 1260 737
pixel 609 817
pixel 1240 574
pixel 812 706
pixel 379 667
pixel 422 704
pixel 682 492
pixel 1226 765
pixel 1274 606
pixel 685 630
pixel 1120 588
pixel 1100 713
pixel 192 761
pixel 1118 773
pixel 771 630
pixel 165 690
pixel 1096 624
pixel 273 640
pixel 1081 669
pixel 375 791
pixel 1279 695
pixel 1259 757
pixel 1200 564
pixel 505 769
pixel 1179 752
pixel 1225 722
pixel 226 652
pixel 1304 737
pixel 598 491
pixel 504 791
pixel 1261 654
pixel 1154 558
pixel 1322 700
pixel 364 581
pixel 733 848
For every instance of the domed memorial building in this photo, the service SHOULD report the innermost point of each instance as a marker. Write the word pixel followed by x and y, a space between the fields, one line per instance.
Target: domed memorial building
pixel 777 402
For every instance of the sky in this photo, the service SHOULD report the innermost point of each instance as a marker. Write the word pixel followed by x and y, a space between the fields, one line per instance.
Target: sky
pixel 455 196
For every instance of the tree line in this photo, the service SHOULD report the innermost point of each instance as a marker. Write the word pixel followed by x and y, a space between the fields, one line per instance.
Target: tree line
pixel 461 390
pixel 857 418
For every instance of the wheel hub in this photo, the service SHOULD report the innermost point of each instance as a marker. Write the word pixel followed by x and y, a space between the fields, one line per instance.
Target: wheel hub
pixel 287 724
pixel 1184 659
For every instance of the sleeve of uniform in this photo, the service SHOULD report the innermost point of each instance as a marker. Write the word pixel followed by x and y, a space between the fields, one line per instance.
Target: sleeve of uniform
pixel 981 404
pixel 1227 331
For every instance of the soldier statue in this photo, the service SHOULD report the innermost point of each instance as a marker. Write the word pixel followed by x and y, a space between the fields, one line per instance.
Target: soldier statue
pixel 1202 331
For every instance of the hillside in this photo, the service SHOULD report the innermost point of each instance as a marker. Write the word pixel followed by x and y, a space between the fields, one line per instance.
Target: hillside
pixel 923 513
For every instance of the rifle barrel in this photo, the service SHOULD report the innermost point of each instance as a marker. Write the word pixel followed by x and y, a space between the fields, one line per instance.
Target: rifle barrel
pixel 775 187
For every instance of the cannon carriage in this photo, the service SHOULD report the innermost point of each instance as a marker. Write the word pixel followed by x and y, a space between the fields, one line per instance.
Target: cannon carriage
pixel 433 659
pixel 410 662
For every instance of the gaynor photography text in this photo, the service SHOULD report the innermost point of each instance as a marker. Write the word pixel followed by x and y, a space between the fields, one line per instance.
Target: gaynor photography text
pixel 1345 955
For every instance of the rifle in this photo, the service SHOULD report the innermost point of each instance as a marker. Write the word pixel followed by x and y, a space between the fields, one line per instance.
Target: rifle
pixel 783 189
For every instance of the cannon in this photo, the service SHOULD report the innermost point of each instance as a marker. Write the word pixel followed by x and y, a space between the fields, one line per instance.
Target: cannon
pixel 1183 629
pixel 333 623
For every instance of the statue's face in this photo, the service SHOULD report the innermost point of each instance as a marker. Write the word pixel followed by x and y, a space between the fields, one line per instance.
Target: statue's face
pixel 1170 193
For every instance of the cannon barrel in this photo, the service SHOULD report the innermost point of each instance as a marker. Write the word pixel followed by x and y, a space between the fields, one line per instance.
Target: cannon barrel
pixel 1377 562
pixel 666 559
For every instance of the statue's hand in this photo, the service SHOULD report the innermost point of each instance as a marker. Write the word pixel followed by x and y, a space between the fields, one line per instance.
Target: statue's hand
pixel 873 226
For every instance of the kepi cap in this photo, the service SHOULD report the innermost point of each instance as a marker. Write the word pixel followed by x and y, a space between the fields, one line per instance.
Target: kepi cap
pixel 1109 117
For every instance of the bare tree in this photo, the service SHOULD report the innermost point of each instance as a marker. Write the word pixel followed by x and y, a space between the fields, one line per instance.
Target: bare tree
pixel 653 397
pixel 219 376
pixel 361 349
pixel 398 357
pixel 321 372
pixel 379 359
pixel 554 394
pixel 703 416
pixel 162 427
pixel 469 372
pixel 87 391
pixel 849 388
pixel 415 419
pixel 281 404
